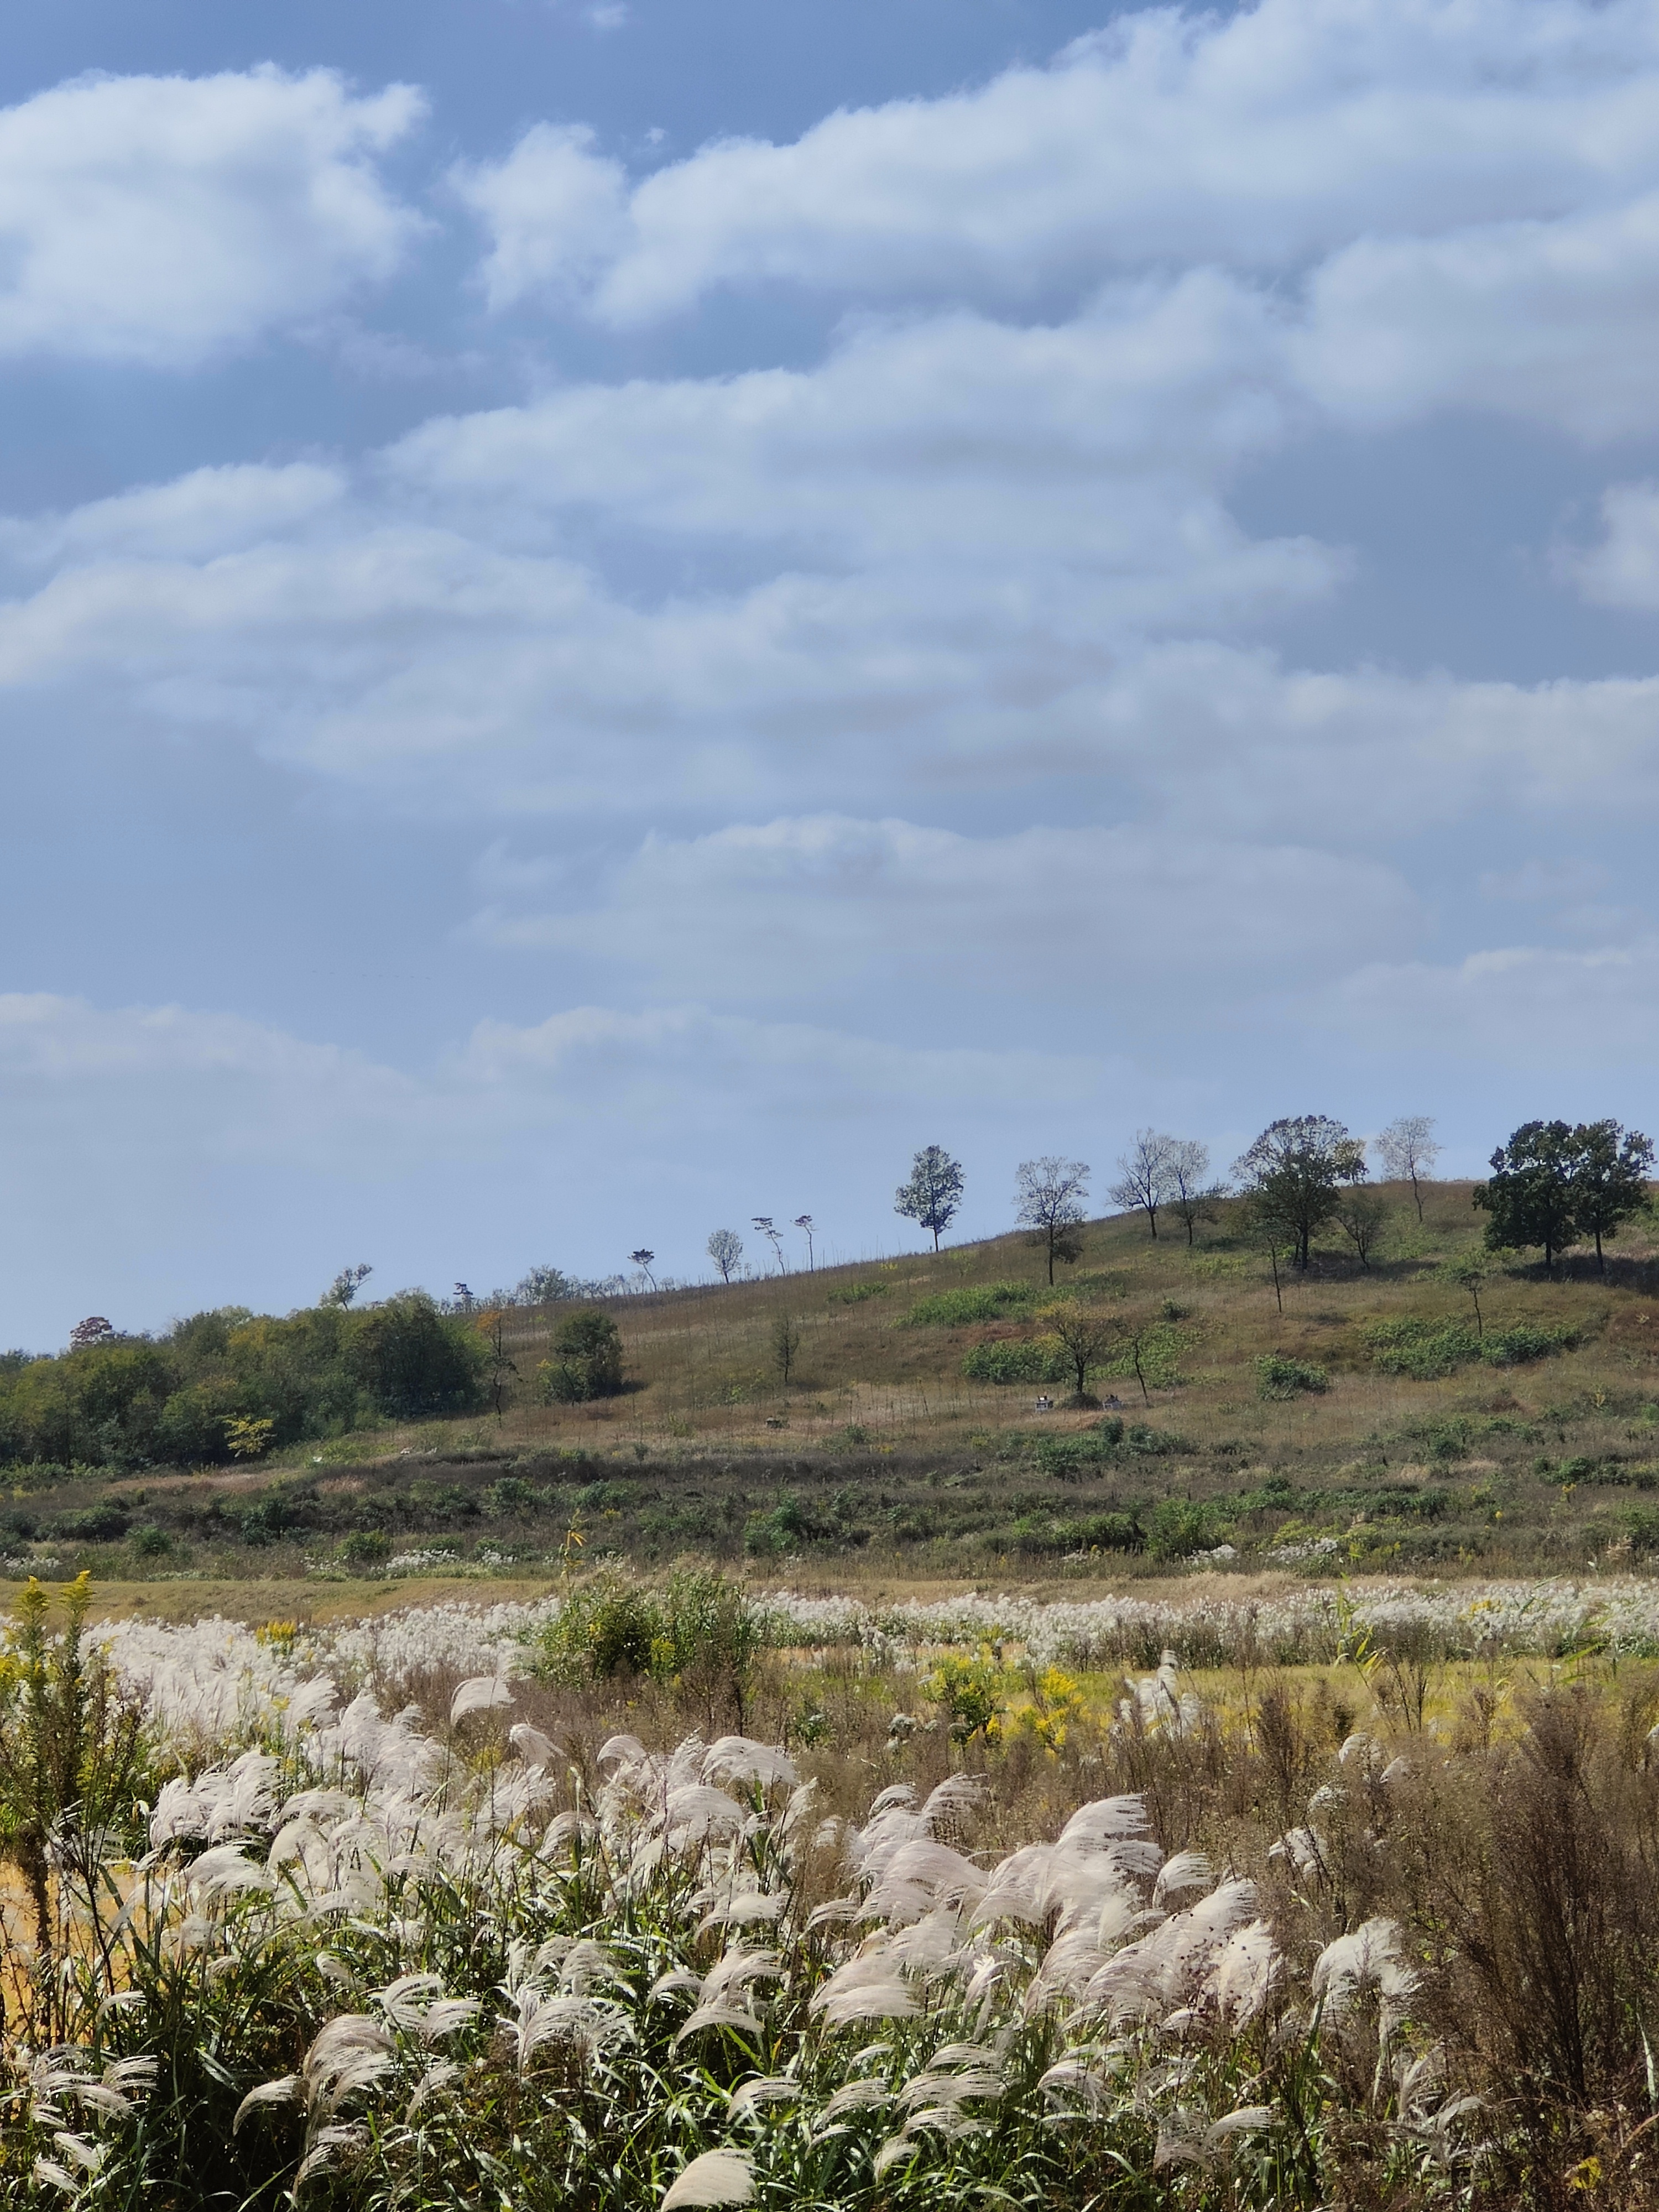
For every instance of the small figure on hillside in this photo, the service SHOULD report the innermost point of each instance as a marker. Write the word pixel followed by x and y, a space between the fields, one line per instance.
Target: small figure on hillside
pixel 1107 1404
pixel 1045 1404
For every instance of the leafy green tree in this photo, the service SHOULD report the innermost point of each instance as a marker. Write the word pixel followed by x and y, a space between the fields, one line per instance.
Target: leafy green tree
pixel 1294 1176
pixel 586 1362
pixel 1530 1195
pixel 346 1284
pixel 933 1196
pixel 1609 1180
pixel 1048 1195
pixel 413 1360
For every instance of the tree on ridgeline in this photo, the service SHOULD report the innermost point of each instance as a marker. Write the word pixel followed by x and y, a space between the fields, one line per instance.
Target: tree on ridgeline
pixel 1294 1176
pixel 725 1250
pixel 1528 1197
pixel 1408 1151
pixel 1193 1197
pixel 1048 1195
pixel 1145 1184
pixel 1609 1180
pixel 1555 1183
pixel 642 1260
pixel 934 1194
pixel 346 1285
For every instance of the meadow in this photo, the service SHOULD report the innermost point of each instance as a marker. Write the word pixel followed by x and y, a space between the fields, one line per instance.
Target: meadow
pixel 836 1788
pixel 674 1891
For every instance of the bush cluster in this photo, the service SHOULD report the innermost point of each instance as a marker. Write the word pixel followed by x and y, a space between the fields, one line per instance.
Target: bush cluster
pixel 188 1397
pixel 1427 1349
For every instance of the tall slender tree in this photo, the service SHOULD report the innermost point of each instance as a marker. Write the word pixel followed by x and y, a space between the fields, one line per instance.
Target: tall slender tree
pixel 1408 1152
pixel 1144 1182
pixel 934 1194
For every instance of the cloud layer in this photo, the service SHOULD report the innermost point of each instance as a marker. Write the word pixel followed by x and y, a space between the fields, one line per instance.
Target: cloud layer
pixel 894 732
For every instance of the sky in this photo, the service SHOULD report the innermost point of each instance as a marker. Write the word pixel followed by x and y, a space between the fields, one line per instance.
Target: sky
pixel 614 616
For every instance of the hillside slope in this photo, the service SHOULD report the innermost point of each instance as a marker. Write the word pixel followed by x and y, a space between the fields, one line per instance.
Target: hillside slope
pixel 1360 1419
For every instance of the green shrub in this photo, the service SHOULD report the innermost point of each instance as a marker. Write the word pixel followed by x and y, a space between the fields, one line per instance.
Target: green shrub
pixel 854 1294
pixel 1428 1349
pixel 366 1548
pixel 700 1632
pixel 1017 1359
pixel 983 1302
pixel 151 1542
pixel 1179 1527
pixel 98 1524
pixel 1280 1377
pixel 586 1362
pixel 968 1693
pixel 413 1360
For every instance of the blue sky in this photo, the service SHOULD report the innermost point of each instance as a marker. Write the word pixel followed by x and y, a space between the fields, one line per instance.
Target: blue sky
pixel 611 616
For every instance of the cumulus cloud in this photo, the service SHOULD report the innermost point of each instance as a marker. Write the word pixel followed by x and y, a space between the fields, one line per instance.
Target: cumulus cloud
pixel 165 220
pixel 1261 139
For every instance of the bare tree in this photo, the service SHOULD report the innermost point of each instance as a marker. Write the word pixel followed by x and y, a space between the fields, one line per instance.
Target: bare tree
pixel 1192 1198
pixel 1362 1217
pixel 1048 1195
pixel 768 1230
pixel 642 1260
pixel 1409 1151
pixel 725 1250
pixel 1085 1338
pixel 1144 1184
pixel 804 1221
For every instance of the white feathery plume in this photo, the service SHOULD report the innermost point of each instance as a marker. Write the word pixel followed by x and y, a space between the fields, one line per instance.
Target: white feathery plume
pixel 1186 1870
pixel 740 1759
pixel 1242 1976
pixel 535 1749
pixel 763 2089
pixel 348 2054
pixel 285 2091
pixel 867 1987
pixel 694 1809
pixel 478 1694
pixel 719 2177
pixel 855 2097
pixel 921 1874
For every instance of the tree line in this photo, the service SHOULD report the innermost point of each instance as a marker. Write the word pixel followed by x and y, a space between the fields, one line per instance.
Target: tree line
pixel 1554 1185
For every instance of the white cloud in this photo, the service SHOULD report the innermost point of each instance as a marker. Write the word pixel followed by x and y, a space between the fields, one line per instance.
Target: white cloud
pixel 1102 441
pixel 167 220
pixel 1554 322
pixel 195 516
pixel 1120 921
pixel 1563 1019
pixel 1623 570
pixel 1261 139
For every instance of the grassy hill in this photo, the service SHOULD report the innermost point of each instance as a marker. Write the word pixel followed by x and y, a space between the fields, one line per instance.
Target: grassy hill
pixel 1359 1420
